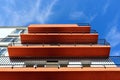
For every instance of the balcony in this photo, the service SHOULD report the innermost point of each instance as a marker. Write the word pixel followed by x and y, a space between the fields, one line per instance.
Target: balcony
pixel 43 68
pixel 59 62
pixel 62 28
pixel 57 49
pixel 59 38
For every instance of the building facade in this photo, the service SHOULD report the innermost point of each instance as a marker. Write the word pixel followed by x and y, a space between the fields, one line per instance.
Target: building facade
pixel 55 51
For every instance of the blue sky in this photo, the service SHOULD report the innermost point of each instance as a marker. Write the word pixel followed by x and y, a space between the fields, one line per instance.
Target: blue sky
pixel 103 15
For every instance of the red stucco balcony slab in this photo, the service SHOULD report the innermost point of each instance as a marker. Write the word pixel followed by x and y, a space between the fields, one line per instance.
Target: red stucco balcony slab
pixel 53 25
pixel 59 51
pixel 58 28
pixel 60 74
pixel 59 38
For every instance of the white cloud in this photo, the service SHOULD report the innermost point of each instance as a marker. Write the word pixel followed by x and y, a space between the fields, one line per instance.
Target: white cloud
pixel 106 6
pixel 114 36
pixel 37 11
pixel 116 53
pixel 2 22
pixel 77 15
pixel 92 17
pixel 44 15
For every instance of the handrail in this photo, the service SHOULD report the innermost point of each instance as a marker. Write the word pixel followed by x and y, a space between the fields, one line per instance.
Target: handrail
pixel 83 61
pixel 83 24
pixel 57 43
pixel 71 32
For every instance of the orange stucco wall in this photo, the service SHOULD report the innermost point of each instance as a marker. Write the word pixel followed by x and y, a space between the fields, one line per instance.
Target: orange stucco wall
pixel 59 38
pixel 60 74
pixel 81 29
pixel 59 51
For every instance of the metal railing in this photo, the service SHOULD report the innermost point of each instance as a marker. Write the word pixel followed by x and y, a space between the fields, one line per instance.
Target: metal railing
pixel 58 43
pixel 103 42
pixel 93 31
pixel 17 42
pixel 104 62
pixel 83 24
pixel 73 32
pixel 68 32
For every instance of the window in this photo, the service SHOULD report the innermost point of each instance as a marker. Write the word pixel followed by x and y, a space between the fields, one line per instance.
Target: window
pixel 8 39
pixel 2 51
pixel 18 31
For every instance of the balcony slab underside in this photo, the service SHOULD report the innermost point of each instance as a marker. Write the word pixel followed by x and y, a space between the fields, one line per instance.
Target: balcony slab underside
pixel 59 51
pixel 59 38
pixel 81 29
pixel 60 74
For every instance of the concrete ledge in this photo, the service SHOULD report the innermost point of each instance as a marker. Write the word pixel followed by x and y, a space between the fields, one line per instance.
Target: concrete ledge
pixel 59 28
pixel 55 51
pixel 60 74
pixel 59 38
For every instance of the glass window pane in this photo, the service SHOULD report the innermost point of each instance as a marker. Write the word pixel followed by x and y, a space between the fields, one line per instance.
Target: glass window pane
pixel 2 51
pixel 8 40
pixel 18 31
